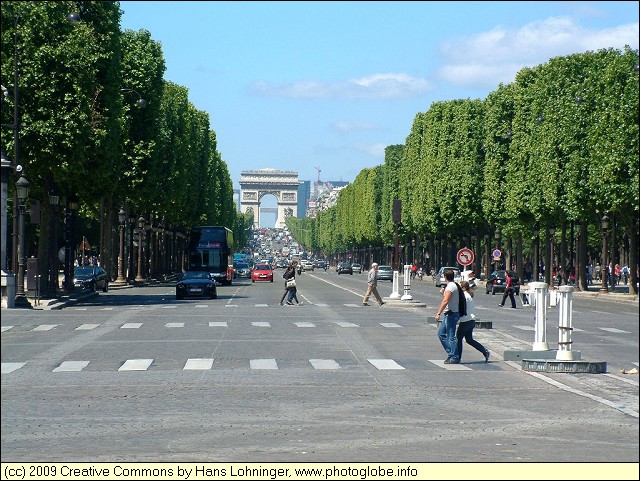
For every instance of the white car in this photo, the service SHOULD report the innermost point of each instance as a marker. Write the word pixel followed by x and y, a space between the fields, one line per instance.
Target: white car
pixel 442 282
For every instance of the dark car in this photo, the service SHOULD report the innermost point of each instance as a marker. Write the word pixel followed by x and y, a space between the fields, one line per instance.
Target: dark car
pixel 385 273
pixel 497 281
pixel 196 284
pixel 91 277
pixel 344 268
pixel 241 269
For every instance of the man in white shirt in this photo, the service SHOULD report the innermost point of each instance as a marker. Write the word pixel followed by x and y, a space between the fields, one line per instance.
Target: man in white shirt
pixel 447 328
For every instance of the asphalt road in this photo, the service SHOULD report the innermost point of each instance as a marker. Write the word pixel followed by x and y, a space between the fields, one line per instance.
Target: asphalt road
pixel 134 375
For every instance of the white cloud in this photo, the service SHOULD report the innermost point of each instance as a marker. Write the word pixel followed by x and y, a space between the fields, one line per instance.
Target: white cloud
pixel 376 86
pixel 344 126
pixel 489 58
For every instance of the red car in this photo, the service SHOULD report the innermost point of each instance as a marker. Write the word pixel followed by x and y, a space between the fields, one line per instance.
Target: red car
pixel 262 272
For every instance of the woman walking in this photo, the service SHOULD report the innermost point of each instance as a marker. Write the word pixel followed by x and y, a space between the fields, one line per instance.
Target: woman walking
pixel 290 290
pixel 466 325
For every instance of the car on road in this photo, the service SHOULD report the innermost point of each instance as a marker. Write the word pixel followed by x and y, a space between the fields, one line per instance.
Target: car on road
pixel 385 273
pixel 497 282
pixel 91 277
pixel 262 272
pixel 196 284
pixel 241 269
pixel 442 282
pixel 344 268
pixel 306 265
pixel 357 268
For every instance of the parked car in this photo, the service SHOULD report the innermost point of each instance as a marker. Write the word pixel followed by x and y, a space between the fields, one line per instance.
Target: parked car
pixel 196 284
pixel 241 269
pixel 357 268
pixel 442 282
pixel 91 277
pixel 344 268
pixel 497 281
pixel 385 273
pixel 262 272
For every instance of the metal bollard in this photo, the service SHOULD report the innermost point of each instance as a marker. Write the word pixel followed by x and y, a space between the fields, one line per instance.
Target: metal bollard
pixel 407 284
pixel 540 290
pixel 565 319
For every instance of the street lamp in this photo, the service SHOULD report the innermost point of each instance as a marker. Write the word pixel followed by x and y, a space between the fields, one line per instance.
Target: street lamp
pixel 536 265
pixel 552 230
pixel 122 218
pixel 141 102
pixel 487 252
pixel 22 192
pixel 498 235
pixel 413 250
pixel 604 224
pixel 141 224
pixel 72 206
pixel 54 200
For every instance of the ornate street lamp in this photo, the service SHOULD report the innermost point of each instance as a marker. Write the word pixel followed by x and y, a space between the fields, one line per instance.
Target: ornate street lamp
pixel 141 224
pixel 497 235
pixel 552 231
pixel 54 200
pixel 122 218
pixel 141 102
pixel 22 192
pixel 604 224
pixel 413 250
pixel 536 265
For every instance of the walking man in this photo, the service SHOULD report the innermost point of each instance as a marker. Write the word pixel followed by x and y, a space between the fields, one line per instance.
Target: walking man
pixel 372 286
pixel 450 308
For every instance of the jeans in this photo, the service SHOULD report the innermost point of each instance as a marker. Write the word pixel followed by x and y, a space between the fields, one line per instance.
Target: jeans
pixel 465 333
pixel 447 335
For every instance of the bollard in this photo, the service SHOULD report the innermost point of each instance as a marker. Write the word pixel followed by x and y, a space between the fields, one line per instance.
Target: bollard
pixel 565 319
pixel 540 290
pixel 395 294
pixel 407 284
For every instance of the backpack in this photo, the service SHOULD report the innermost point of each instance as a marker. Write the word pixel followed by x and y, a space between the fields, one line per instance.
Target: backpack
pixel 462 301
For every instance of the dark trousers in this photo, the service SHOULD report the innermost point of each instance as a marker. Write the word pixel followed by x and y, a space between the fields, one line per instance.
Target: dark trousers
pixel 508 292
pixel 465 331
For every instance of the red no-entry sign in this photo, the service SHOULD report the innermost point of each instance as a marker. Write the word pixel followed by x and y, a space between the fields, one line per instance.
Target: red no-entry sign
pixel 465 256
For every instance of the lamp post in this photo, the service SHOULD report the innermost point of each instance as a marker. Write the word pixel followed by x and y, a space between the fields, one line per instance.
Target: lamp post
pixel 122 218
pixel 141 102
pixel 22 192
pixel 604 224
pixel 72 206
pixel 497 235
pixel 413 250
pixel 536 255
pixel 552 231
pixel 54 200
pixel 141 223
pixel 487 255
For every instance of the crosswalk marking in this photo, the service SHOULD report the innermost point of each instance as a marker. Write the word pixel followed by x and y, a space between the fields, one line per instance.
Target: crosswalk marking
pixel 174 324
pixel 385 364
pixel 6 328
pixel 131 325
pixel 201 306
pixel 324 364
pixel 261 324
pixel 450 367
pixel 613 329
pixel 136 365
pixel 322 305
pixel 352 305
pixel 44 327
pixel 304 324
pixel 262 305
pixel 525 328
pixel 345 324
pixel 135 308
pixel 7 367
pixel 86 327
pixel 231 305
pixel 169 307
pixel 71 366
pixel 218 324
pixel 198 364
pixel 103 309
pixel 390 324
pixel 263 364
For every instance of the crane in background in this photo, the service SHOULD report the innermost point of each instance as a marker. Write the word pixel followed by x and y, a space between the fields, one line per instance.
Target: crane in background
pixel 318 169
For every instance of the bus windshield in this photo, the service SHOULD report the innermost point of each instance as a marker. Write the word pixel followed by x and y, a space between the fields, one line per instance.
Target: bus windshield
pixel 210 248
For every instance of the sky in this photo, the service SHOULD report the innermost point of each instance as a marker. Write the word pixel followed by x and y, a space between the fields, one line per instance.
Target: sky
pixel 321 88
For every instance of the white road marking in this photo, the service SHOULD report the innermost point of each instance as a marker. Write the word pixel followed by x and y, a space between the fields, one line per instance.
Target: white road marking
pixel 218 324
pixel 8 367
pixel 261 324
pixel 174 324
pixel 352 305
pixel 201 306
pixel 71 366
pixel 131 325
pixel 169 307
pixel 136 365
pixel 385 364
pixel 305 324
pixel 324 364
pixel 450 367
pixel 44 327
pixel 86 327
pixel 614 330
pixel 262 305
pixel 198 364
pixel 345 324
pixel 525 328
pixel 6 328
pixel 263 364
pixel 389 324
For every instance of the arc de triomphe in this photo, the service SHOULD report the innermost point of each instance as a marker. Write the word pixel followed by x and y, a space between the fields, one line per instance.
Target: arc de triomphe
pixel 283 185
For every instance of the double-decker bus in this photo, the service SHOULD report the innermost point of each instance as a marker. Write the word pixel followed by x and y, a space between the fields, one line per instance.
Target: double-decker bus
pixel 210 249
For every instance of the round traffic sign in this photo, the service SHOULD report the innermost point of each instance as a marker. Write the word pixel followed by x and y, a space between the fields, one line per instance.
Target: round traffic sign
pixel 465 256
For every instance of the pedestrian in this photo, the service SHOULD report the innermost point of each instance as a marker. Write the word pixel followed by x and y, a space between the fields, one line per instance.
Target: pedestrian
pixel 509 290
pixel 372 286
pixel 597 271
pixel 625 273
pixel 466 325
pixel 450 308
pixel 290 291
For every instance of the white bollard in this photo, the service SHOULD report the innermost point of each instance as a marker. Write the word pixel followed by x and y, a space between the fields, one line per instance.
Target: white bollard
pixel 407 284
pixel 540 290
pixel 396 287
pixel 565 319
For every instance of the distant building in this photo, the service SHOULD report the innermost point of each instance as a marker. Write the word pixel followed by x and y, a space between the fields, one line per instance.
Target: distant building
pixel 325 196
pixel 304 193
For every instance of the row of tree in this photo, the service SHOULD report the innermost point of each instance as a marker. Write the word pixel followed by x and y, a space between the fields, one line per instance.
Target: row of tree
pixel 85 134
pixel 558 147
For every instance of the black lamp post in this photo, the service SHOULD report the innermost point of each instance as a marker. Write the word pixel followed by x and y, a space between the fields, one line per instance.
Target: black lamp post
pixel 22 192
pixel 122 218
pixel 552 231
pixel 604 224
pixel 498 235
pixel 54 200
pixel 487 252
pixel 141 224
pixel 141 102
pixel 413 250
pixel 536 260
pixel 72 206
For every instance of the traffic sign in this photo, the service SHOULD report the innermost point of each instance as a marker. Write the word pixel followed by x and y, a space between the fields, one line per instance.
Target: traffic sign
pixel 497 254
pixel 465 256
